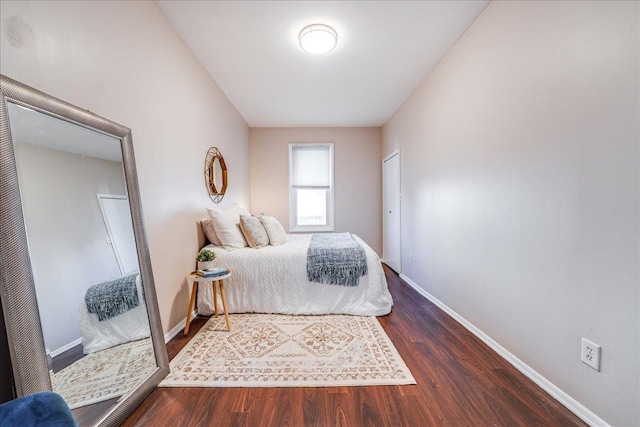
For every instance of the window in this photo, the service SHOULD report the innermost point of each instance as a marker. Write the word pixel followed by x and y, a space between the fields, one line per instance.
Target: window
pixel 311 187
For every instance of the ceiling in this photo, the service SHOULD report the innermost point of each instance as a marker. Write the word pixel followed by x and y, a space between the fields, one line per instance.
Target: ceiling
pixel 385 48
pixel 33 127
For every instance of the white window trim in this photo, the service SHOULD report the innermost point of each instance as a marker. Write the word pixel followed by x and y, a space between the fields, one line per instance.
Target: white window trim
pixel 293 227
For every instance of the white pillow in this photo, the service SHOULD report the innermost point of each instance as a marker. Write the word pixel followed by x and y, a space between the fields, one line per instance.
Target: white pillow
pixel 275 231
pixel 234 208
pixel 226 222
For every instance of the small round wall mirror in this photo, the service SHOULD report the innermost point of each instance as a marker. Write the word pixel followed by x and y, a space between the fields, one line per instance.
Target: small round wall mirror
pixel 215 174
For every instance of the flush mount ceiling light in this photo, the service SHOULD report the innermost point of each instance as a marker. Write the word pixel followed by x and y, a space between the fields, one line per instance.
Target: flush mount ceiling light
pixel 318 38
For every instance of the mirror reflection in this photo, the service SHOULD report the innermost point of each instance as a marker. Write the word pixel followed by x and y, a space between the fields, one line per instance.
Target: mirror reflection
pixel 84 260
pixel 217 174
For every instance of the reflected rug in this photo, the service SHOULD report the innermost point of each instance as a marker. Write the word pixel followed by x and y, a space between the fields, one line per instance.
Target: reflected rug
pixel 105 374
pixel 269 350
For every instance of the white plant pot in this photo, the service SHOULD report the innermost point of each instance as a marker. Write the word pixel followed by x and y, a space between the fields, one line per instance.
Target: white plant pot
pixel 205 265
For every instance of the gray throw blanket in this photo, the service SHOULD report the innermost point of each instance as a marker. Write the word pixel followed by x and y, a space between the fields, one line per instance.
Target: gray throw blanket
pixel 336 259
pixel 109 299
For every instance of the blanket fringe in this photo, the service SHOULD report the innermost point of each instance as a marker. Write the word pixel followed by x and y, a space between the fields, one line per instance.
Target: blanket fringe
pixel 345 276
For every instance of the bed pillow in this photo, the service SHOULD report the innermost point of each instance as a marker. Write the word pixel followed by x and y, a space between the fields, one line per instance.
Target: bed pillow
pixel 226 222
pixel 210 232
pixel 234 208
pixel 254 231
pixel 275 231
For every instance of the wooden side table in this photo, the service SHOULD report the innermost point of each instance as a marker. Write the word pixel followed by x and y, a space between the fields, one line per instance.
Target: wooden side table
pixel 193 279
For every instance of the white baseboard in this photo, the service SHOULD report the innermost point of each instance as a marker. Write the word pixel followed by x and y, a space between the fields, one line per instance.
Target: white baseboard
pixel 65 347
pixel 573 405
pixel 178 328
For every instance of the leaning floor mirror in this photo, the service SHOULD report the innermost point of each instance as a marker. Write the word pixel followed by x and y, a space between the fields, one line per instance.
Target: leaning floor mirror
pixel 76 283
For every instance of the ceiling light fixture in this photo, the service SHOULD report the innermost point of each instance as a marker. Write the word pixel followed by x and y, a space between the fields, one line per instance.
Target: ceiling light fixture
pixel 318 38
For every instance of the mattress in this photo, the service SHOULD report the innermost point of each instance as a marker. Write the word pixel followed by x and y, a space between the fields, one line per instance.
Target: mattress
pixel 273 279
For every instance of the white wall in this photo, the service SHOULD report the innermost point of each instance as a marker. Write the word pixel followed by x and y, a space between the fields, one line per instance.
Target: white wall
pixel 124 62
pixel 66 232
pixel 358 176
pixel 520 172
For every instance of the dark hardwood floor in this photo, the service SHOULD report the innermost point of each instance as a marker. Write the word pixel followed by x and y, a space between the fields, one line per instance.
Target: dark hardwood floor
pixel 460 382
pixel 67 358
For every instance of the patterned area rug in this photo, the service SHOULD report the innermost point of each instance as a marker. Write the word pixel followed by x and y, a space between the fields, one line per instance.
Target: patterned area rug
pixel 105 374
pixel 268 350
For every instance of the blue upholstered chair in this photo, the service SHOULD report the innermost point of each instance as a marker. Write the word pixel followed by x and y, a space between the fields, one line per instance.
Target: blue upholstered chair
pixel 45 409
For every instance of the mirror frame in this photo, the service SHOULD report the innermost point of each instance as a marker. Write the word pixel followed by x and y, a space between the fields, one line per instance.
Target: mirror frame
pixel 17 286
pixel 216 192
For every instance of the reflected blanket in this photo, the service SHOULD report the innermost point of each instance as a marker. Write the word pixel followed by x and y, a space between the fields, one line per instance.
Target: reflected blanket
pixel 109 299
pixel 335 259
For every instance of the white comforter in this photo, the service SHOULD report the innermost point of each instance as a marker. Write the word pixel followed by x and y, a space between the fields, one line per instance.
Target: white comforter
pixel 274 280
pixel 130 326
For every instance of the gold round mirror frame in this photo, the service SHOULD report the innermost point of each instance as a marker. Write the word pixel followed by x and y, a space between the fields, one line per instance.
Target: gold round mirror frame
pixel 213 165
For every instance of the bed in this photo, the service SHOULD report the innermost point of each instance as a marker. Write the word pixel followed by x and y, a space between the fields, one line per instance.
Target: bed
pixel 125 327
pixel 273 279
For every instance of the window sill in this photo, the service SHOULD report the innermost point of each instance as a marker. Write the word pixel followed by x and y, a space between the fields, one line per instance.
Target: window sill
pixel 311 228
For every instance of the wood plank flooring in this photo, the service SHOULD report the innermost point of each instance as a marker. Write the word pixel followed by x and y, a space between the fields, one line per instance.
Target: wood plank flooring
pixel 66 359
pixel 461 382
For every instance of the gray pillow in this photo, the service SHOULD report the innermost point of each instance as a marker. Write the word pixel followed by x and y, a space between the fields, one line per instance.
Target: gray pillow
pixel 253 231
pixel 210 232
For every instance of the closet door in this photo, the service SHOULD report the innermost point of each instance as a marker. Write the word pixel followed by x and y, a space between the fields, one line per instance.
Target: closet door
pixel 391 212
pixel 117 219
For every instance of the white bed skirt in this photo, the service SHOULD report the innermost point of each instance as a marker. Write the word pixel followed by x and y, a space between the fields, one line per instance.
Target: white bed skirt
pixel 274 280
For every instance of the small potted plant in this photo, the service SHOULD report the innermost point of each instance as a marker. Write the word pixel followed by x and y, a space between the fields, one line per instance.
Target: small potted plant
pixel 205 259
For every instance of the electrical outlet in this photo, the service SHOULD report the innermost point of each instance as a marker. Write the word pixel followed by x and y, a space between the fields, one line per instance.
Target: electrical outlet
pixel 410 258
pixel 590 354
